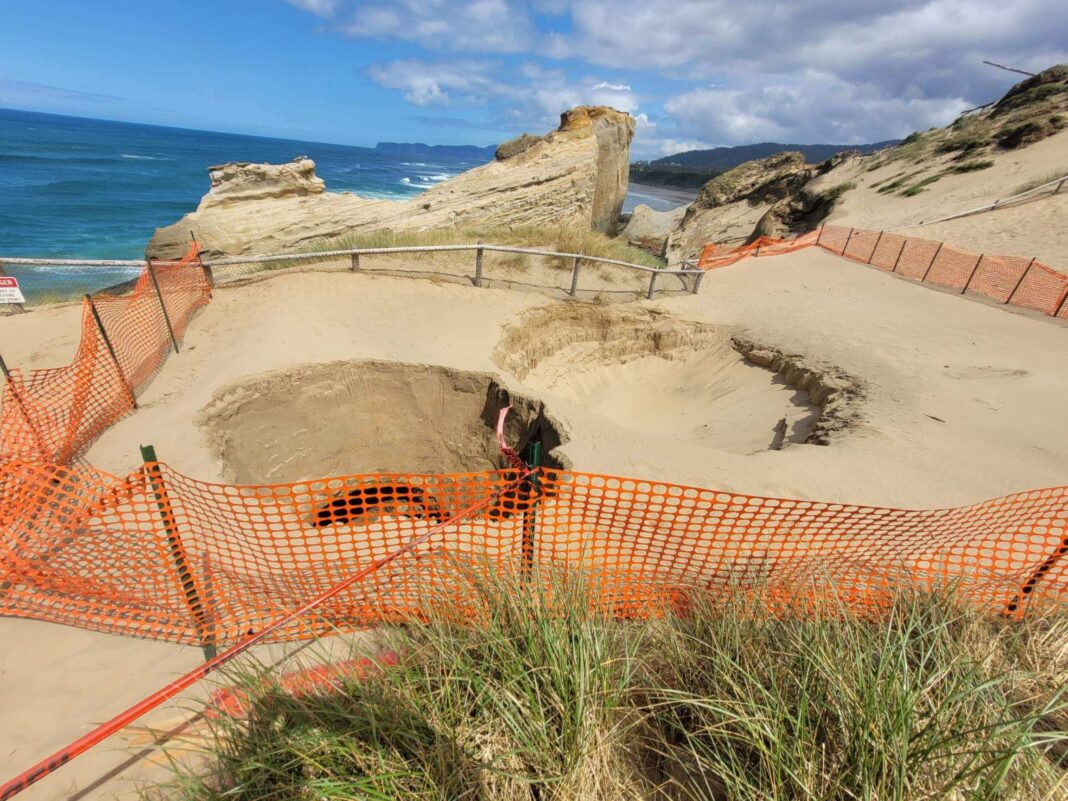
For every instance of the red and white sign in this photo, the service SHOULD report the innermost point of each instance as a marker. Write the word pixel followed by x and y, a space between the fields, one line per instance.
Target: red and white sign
pixel 9 290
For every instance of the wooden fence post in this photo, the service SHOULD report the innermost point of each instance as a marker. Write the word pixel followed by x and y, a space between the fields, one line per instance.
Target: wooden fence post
pixel 929 266
pixel 819 236
pixel 478 264
pixel 652 285
pixel 355 262
pixel 697 280
pixel 111 350
pixel 574 276
pixel 188 583
pixel 162 305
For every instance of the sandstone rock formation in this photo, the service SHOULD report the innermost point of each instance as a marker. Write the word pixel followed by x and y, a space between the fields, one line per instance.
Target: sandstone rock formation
pixel 765 197
pixel 730 205
pixel 649 229
pixel 576 175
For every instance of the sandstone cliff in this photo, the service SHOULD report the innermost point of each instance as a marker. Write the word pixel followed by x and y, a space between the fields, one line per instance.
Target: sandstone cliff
pixel 575 175
pixel 731 205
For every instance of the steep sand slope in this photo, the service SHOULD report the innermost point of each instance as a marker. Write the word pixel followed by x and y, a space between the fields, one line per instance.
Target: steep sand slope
pixel 1037 228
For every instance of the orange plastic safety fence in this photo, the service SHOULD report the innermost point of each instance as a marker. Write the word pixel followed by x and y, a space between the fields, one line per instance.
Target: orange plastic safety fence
pixel 157 554
pixel 53 414
pixel 160 555
pixel 1006 279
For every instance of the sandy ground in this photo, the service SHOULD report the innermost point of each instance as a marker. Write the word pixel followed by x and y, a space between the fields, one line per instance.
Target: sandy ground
pixel 1036 228
pixel 58 682
pixel 963 401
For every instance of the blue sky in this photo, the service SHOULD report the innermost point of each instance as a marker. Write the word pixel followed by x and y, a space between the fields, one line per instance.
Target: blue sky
pixel 695 72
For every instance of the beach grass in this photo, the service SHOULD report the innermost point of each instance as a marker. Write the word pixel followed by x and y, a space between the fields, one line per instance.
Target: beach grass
pixel 542 697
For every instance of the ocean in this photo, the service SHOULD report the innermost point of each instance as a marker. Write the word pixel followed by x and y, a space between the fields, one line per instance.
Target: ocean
pixel 72 187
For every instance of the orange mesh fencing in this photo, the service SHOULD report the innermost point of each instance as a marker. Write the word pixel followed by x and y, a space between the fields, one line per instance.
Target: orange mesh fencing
pixel 157 554
pixel 53 414
pixel 1005 279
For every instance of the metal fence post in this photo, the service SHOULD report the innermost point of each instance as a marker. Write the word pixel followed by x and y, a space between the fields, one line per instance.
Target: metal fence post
pixel 877 241
pixel 848 238
pixel 162 305
pixel 574 276
pixel 355 261
pixel 1012 294
pixel 1060 304
pixel 530 516
pixel 970 277
pixel 22 408
pixel 904 241
pixel 929 266
pixel 111 350
pixel 652 285
pixel 478 264
pixel 181 562
pixel 1039 573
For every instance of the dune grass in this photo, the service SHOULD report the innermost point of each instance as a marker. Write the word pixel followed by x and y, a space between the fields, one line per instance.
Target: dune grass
pixel 544 698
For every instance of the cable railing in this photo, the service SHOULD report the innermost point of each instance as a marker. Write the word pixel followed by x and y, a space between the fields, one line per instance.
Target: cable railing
pixel 556 273
pixel 479 264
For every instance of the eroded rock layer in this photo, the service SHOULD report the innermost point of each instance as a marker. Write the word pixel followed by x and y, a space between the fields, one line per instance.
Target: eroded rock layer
pixel 575 175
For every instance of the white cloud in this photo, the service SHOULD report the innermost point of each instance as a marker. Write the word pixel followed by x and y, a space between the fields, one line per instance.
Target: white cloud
pixel 484 26
pixel 451 83
pixel 812 107
pixel 529 95
pixel 819 70
pixel 806 70
pixel 321 8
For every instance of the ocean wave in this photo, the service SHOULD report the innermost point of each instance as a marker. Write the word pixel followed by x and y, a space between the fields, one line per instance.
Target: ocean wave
pixel 413 164
pixel 406 180
pixel 16 158
pixel 441 176
pixel 145 158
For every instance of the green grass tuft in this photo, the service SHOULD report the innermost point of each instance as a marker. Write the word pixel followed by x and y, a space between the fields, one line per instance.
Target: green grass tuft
pixel 971 166
pixel 919 186
pixel 543 698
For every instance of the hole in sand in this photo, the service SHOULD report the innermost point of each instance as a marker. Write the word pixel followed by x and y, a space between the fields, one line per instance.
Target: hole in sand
pixel 648 372
pixel 342 418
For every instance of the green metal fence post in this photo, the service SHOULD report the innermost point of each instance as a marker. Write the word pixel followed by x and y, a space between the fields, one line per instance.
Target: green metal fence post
pixel 189 589
pixel 530 516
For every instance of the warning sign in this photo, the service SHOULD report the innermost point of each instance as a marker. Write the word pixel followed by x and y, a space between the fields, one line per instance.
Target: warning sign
pixel 9 290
